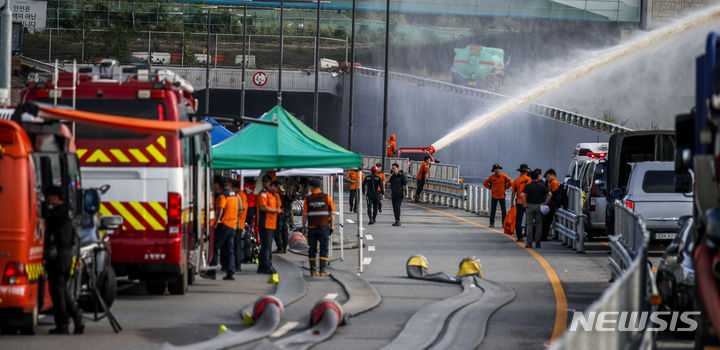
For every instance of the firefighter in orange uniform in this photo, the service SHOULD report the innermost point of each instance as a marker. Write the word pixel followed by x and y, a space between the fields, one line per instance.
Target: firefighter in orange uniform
pixel 391 146
pixel 517 188
pixel 352 177
pixel 270 206
pixel 497 183
pixel 421 177
pixel 318 213
pixel 553 184
pixel 226 207
pixel 240 231
pixel 381 175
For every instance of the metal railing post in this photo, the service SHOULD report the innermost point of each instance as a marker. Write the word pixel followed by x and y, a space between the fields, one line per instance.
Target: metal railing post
pixel 581 234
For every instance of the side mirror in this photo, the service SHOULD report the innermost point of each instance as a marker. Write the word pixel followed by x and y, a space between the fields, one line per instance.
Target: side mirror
pixel 111 222
pixel 683 160
pixel 616 193
pixel 91 201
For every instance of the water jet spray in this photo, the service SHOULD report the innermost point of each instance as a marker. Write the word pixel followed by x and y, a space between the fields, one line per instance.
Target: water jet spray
pixel 632 47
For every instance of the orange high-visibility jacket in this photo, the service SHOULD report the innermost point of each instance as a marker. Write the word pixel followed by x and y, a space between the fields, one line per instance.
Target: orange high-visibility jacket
pixel 498 184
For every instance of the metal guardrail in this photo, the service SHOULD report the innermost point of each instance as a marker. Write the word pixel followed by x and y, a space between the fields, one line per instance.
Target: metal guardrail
pixel 40 65
pixel 569 224
pixel 630 292
pixel 629 241
pixel 535 109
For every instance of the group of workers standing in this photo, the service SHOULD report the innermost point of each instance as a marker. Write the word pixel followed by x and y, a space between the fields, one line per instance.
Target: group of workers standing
pixel 240 213
pixel 373 189
pixel 533 198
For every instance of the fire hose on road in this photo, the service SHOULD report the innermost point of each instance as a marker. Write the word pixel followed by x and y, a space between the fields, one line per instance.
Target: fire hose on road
pixel 465 315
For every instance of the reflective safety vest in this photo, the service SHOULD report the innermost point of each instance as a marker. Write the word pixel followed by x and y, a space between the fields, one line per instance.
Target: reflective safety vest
pixel 318 210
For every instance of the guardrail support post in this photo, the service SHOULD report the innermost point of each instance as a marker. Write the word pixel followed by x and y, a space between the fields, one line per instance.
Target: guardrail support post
pixel 580 234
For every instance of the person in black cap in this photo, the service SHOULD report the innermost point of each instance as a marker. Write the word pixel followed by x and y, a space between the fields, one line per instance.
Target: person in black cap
pixel 517 188
pixel 59 244
pixel 497 183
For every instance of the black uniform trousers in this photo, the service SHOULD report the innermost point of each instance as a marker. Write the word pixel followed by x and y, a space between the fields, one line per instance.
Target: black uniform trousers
pixel 353 200
pixel 397 199
pixel 266 239
pixel 321 235
pixel 418 191
pixel 64 305
pixel 372 207
pixel 518 220
pixel 281 234
pixel 224 245
pixel 493 207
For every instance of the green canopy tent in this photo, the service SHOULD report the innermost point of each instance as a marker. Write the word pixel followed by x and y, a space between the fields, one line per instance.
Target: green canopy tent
pixel 290 144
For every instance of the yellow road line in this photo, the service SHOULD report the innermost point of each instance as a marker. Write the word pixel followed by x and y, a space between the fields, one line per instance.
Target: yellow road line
pixel 560 298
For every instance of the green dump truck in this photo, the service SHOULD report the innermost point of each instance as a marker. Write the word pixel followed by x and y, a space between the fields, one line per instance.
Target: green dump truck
pixel 478 66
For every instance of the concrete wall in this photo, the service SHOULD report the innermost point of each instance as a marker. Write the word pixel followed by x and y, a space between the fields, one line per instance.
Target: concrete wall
pixel 419 116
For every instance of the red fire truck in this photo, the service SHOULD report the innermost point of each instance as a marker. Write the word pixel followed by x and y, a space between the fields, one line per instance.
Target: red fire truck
pixel 160 184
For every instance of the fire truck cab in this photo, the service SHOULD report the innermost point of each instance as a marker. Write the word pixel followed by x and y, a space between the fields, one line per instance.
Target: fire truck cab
pixel 33 157
pixel 159 184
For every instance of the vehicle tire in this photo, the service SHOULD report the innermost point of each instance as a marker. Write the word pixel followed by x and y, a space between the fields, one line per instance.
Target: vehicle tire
pixel 179 285
pixel 156 287
pixel 29 322
pixel 8 330
pixel 108 285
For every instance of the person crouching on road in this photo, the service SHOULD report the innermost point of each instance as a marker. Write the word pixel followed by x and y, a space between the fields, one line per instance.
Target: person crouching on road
pixel 319 214
pixel 421 177
pixel 497 183
pixel 517 188
pixel 226 213
pixel 59 244
pixel 398 190
pixel 381 175
pixel 270 207
pixel 240 230
pixel 533 196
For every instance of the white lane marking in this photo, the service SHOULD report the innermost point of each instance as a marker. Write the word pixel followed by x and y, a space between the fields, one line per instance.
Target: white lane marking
pixel 371 248
pixel 367 261
pixel 350 221
pixel 331 296
pixel 284 329
pixel 369 237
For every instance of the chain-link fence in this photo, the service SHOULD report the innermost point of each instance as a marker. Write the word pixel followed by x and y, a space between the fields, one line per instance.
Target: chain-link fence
pixel 180 48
